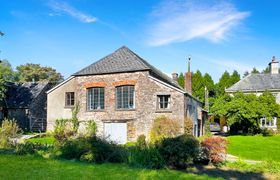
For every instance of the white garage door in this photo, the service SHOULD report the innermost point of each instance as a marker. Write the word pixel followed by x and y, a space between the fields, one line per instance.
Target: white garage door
pixel 116 132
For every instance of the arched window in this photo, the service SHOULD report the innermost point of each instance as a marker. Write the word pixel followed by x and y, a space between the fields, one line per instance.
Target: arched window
pixel 125 96
pixel 95 98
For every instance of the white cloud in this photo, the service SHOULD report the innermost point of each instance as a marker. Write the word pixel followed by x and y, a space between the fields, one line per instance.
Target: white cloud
pixel 179 21
pixel 231 65
pixel 65 8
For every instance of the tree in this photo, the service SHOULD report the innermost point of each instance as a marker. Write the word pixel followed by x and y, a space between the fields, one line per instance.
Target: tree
pixel 30 72
pixel 244 111
pixel 223 83
pixel 209 83
pixel 6 75
pixel 246 73
pixel 198 85
pixel 181 80
pixel 255 71
pixel 234 78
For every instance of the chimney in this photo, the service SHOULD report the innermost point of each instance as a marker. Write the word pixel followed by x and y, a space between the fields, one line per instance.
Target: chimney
pixel 188 77
pixel 273 66
pixel 175 76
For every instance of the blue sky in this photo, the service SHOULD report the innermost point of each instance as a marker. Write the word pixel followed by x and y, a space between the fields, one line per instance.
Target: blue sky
pixel 69 35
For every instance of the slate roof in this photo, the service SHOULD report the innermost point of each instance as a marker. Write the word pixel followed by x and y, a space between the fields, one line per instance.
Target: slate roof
pixel 125 60
pixel 257 82
pixel 21 95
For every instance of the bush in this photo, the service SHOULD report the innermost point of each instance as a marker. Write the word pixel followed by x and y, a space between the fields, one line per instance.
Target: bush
pixel 74 148
pixel 9 129
pixel 180 151
pixel 63 130
pixel 214 148
pixel 29 148
pixel 93 149
pixel 91 128
pixel 188 126
pixel 267 132
pixel 144 155
pixel 164 127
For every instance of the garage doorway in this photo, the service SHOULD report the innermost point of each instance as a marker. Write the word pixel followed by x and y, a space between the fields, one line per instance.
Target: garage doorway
pixel 116 131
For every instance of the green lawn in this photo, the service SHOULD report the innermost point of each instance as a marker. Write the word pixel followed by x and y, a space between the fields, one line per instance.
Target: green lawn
pixel 29 167
pixel 43 140
pixel 255 147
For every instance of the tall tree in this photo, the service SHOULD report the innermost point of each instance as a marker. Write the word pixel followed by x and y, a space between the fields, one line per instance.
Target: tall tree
pixel 223 83
pixel 181 80
pixel 255 71
pixel 30 72
pixel 6 75
pixel 209 83
pixel 198 85
pixel 246 73
pixel 234 78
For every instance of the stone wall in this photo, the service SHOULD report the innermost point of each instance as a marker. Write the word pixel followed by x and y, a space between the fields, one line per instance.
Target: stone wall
pixel 139 120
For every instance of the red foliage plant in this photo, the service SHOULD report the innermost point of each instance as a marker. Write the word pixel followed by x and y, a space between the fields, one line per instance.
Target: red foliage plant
pixel 215 149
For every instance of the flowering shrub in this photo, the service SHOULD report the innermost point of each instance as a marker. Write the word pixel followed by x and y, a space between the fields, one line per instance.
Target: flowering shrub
pixel 215 149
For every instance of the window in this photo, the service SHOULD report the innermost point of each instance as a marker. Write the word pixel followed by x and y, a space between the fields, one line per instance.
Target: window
pixel 69 99
pixel 163 101
pixel 268 123
pixel 125 97
pixel 95 98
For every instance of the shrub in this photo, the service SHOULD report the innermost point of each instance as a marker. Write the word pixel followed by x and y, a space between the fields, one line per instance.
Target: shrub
pixel 180 151
pixel 74 120
pixel 164 127
pixel 93 149
pixel 63 130
pixel 188 126
pixel 214 148
pixel 91 128
pixel 144 155
pixel 9 129
pixel 74 148
pixel 267 132
pixel 29 148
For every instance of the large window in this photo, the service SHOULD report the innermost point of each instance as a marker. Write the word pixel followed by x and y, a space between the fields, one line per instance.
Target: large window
pixel 69 99
pixel 95 98
pixel 125 97
pixel 163 101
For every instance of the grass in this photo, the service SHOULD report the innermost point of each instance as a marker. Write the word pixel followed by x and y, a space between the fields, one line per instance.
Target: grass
pixel 43 140
pixel 30 167
pixel 255 147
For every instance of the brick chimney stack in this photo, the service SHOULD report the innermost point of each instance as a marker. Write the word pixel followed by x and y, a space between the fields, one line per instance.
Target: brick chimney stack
pixel 273 66
pixel 188 77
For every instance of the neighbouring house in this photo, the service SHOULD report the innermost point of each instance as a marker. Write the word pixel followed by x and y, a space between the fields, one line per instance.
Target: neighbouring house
pixel 26 103
pixel 257 84
pixel 123 94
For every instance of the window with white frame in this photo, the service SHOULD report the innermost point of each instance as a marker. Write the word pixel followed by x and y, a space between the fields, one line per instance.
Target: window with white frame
pixel 268 123
pixel 95 98
pixel 125 97
pixel 163 101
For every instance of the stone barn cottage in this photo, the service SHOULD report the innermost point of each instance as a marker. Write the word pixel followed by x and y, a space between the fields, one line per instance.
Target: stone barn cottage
pixel 123 94
pixel 257 84
pixel 27 104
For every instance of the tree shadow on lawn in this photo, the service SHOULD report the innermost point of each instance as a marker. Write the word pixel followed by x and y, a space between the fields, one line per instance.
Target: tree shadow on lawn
pixel 226 173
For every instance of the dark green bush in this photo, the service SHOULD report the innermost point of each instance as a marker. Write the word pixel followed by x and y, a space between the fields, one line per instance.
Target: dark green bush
pixel 144 155
pixel 93 149
pixel 180 151
pixel 75 148
pixel 30 148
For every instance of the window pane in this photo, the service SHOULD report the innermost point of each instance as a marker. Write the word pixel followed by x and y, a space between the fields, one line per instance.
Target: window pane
pixel 164 101
pixel 125 97
pixel 95 98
